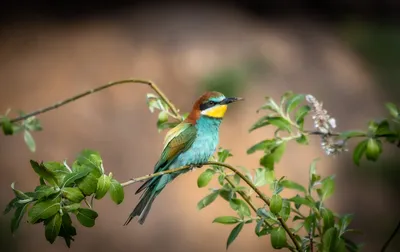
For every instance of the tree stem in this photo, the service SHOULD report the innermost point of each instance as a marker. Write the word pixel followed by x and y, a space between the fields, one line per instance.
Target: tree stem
pixel 386 245
pixel 95 90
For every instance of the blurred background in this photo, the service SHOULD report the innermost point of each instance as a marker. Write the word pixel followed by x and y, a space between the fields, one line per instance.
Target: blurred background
pixel 346 53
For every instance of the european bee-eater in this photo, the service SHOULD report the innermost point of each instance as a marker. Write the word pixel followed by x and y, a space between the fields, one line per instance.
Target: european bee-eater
pixel 192 142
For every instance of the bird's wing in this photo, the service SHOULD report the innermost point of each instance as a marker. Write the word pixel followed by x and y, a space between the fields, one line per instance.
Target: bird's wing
pixel 178 140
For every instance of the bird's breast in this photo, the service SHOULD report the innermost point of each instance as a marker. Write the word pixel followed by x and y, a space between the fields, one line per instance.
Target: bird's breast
pixel 203 146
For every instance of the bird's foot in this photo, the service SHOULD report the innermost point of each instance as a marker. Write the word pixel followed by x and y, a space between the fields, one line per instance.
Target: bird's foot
pixel 194 167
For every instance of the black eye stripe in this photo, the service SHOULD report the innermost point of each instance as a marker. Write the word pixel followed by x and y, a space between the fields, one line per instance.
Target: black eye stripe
pixel 207 105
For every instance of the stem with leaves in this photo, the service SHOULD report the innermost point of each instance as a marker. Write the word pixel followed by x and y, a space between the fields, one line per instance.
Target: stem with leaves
pixel 95 90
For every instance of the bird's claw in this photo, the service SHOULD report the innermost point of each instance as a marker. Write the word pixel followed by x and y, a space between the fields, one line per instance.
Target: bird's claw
pixel 194 167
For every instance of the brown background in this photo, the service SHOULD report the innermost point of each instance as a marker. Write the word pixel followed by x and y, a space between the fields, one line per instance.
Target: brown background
pixel 177 46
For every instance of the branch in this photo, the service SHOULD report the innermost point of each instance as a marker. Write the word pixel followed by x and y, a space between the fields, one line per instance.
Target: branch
pixel 243 177
pixel 391 237
pixel 152 175
pixel 95 90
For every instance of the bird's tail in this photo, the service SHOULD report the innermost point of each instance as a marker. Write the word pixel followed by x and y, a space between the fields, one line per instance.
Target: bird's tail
pixel 143 207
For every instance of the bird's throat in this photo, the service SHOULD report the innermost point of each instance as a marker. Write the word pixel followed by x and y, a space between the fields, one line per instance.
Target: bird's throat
pixel 216 112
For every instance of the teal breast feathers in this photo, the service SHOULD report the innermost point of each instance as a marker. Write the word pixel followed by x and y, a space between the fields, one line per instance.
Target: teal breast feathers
pixel 204 146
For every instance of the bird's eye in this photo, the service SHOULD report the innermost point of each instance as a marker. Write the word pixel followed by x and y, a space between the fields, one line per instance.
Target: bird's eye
pixel 211 103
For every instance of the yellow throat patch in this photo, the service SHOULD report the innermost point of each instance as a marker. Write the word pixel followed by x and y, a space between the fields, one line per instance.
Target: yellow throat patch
pixel 216 111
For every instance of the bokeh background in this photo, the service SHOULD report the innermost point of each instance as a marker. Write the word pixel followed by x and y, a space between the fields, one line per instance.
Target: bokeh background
pixel 346 53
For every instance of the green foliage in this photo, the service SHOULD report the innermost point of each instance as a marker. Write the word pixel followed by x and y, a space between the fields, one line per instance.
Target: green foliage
pixel 156 103
pixel 64 190
pixel 12 127
pixel 61 193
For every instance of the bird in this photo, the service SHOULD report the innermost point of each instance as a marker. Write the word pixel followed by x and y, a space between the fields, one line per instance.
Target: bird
pixel 190 143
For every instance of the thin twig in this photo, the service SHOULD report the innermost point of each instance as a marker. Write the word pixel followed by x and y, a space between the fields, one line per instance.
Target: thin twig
pixel 87 203
pixel 152 175
pixel 385 246
pixel 92 91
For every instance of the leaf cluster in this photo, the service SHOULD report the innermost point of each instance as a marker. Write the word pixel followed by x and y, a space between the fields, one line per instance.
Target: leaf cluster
pixel 62 192
pixel 26 126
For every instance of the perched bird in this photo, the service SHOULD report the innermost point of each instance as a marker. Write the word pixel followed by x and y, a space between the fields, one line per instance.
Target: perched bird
pixel 192 142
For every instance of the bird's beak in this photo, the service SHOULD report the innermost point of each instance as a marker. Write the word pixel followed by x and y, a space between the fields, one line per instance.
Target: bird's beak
pixel 231 99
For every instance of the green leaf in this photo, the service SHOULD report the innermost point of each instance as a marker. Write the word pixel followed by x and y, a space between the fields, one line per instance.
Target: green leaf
pixel 240 207
pixel 293 102
pixel 327 188
pixel 17 217
pixel 393 110
pixel 285 211
pixel 302 201
pixel 205 178
pixel 32 124
pixel 236 179
pixel 162 117
pixel 331 241
pixel 262 212
pixel 278 238
pixel 302 139
pixel 90 159
pixel 352 133
pixel 372 127
pixel 71 207
pixel 52 228
pixel 280 123
pixel 43 210
pixel 293 185
pixel 263 121
pixel 207 200
pixel 301 113
pixel 103 185
pixel 43 172
pixel 221 179
pixel 270 104
pixel 262 229
pixel 226 220
pixel 44 191
pixel 328 218
pixel 278 152
pixel 223 154
pixel 153 102
pixel 351 246
pixel 6 125
pixel 70 178
pixel 374 149
pixel 73 194
pixel 309 223
pixel 67 231
pixel 12 204
pixel 263 177
pixel 227 192
pixel 57 169
pixel 359 151
pixel 88 184
pixel 344 222
pixel 30 142
pixel 116 191
pixel 86 217
pixel 285 96
pixel 276 204
pixel 234 234
pixel 19 194
pixel 384 129
pixel 263 145
pixel 267 161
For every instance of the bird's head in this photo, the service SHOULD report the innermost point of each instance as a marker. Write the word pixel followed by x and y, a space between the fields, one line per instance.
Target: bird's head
pixel 211 104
